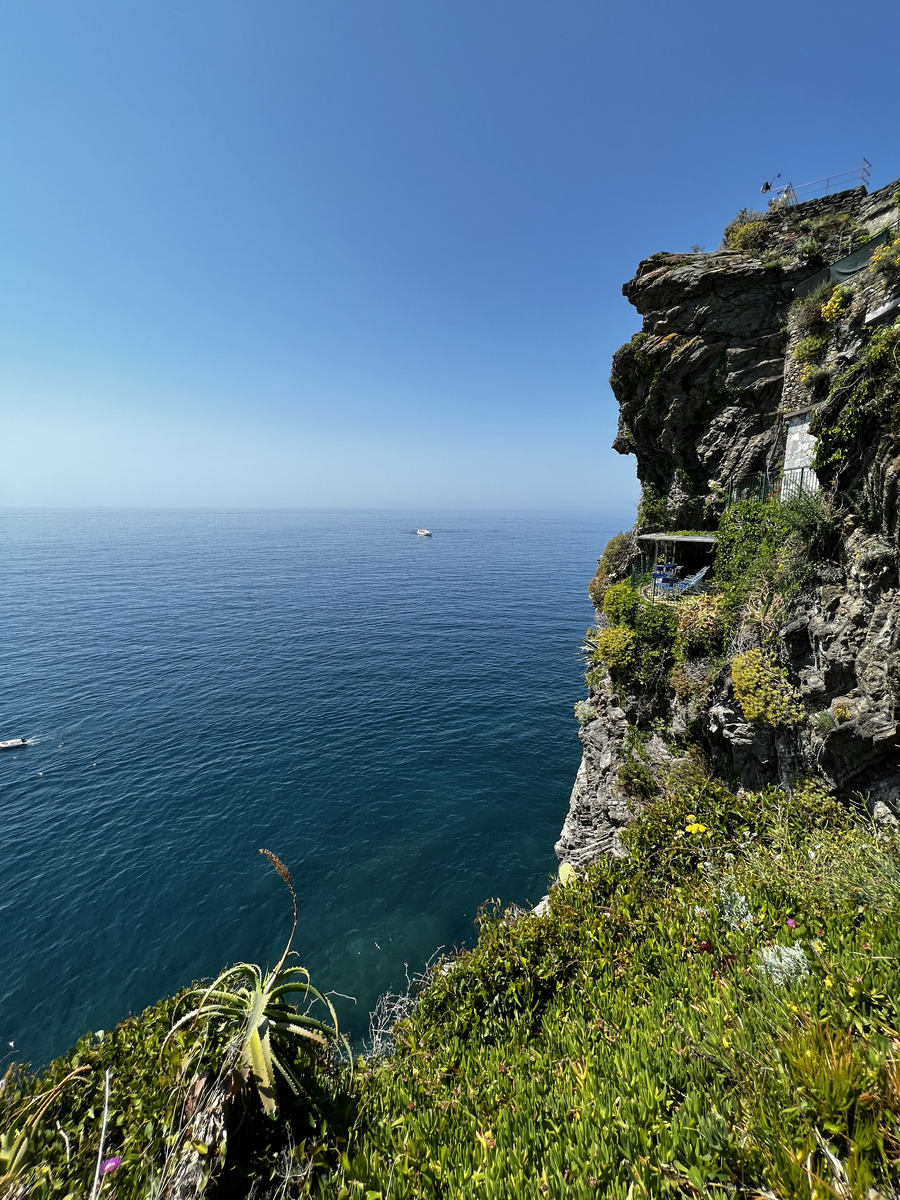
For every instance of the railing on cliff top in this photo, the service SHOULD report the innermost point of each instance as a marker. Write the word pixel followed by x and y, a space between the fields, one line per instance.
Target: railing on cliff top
pixel 844 180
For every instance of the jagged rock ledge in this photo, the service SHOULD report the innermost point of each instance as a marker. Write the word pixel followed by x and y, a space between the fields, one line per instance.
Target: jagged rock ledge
pixel 709 392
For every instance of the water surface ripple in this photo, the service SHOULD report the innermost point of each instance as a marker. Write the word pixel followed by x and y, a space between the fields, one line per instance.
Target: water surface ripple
pixel 392 715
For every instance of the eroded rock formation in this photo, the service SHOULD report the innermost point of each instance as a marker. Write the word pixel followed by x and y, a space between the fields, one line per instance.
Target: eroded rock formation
pixel 733 343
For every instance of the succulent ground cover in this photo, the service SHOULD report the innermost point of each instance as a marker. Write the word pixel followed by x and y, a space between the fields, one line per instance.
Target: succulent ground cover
pixel 716 1013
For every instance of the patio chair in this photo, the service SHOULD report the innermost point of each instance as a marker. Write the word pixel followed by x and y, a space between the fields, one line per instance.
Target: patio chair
pixel 683 586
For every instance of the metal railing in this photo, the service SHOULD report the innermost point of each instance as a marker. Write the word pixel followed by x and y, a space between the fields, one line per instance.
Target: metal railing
pixel 758 486
pixel 640 573
pixel 842 182
pixel 786 485
pixel 798 481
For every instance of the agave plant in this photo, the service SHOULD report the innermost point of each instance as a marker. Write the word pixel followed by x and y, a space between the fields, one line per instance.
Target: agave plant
pixel 267 1025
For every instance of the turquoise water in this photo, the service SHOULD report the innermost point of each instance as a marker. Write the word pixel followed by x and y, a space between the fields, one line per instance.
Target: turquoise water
pixel 391 715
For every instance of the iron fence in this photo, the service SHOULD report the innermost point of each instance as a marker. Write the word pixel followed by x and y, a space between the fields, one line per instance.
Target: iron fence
pixel 841 182
pixel 786 485
pixel 757 486
pixel 798 481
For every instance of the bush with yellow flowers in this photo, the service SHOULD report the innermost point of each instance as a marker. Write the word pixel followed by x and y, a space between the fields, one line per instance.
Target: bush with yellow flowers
pixel 886 259
pixel 763 690
pixel 836 306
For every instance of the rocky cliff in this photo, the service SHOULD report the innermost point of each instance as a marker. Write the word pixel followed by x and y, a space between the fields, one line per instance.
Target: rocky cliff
pixel 784 343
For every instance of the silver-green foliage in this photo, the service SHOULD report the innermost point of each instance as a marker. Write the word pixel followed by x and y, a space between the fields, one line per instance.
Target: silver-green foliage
pixel 733 907
pixel 265 1024
pixel 783 965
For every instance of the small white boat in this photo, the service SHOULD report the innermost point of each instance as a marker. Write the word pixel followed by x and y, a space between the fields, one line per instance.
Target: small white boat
pixel 424 533
pixel 13 744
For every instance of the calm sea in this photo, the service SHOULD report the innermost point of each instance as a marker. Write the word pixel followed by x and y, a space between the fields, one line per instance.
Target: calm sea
pixel 391 715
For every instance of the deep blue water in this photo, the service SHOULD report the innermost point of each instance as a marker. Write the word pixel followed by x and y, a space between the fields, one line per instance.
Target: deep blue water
pixel 391 715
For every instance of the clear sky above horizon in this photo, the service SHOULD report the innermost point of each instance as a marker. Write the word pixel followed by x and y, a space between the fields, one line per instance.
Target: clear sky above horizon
pixel 369 253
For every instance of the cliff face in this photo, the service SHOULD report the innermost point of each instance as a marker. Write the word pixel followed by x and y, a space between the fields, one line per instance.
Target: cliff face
pixel 785 344
pixel 700 386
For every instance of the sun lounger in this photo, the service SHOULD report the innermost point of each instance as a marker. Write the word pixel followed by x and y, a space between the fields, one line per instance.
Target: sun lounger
pixel 683 586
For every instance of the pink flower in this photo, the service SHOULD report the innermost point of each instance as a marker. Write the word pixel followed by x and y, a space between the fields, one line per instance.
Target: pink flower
pixel 109 1164
pixel 790 922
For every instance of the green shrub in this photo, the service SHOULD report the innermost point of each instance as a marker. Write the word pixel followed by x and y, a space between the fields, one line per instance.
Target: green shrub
pixel 767 551
pixel 614 561
pixel 700 626
pixel 806 312
pixel 617 648
pixel 812 348
pixel 748 232
pixel 635 779
pixel 652 511
pixel 636 646
pixel 807 248
pixel 655 624
pixel 686 684
pixel 635 776
pixel 700 636
pixel 751 238
pixel 763 690
pixel 750 538
pixel 812 525
pixel 621 603
pixel 868 395
pixel 814 375
pixel 823 721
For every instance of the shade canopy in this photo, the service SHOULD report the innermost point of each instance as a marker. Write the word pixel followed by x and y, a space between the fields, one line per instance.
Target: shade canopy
pixel 699 539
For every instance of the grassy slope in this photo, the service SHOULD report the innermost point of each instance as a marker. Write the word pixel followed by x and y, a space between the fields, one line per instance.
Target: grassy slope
pixel 629 1043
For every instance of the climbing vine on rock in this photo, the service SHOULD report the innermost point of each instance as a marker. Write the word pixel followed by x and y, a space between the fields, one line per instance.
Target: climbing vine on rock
pixel 865 396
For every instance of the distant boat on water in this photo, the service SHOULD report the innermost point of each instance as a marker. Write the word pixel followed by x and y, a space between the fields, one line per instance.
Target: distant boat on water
pixel 424 533
pixel 13 744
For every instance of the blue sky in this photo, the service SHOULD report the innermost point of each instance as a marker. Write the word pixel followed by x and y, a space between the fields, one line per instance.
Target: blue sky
pixel 369 253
